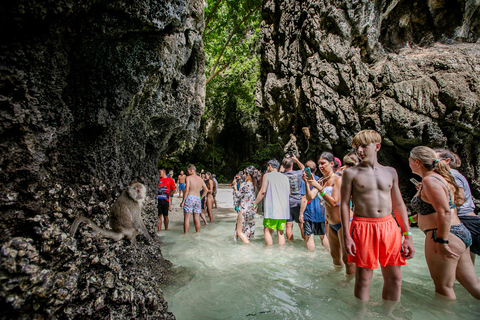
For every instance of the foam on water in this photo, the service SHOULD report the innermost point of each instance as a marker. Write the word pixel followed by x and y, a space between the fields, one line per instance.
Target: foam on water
pixel 216 278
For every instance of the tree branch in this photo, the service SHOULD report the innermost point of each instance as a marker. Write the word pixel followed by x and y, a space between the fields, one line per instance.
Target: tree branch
pixel 218 71
pixel 212 12
pixel 212 71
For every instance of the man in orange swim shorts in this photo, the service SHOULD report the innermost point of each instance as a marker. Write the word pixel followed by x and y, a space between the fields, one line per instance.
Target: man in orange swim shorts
pixel 374 235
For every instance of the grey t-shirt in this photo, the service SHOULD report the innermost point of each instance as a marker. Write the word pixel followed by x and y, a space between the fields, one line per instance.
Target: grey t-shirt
pixel 468 206
pixel 295 180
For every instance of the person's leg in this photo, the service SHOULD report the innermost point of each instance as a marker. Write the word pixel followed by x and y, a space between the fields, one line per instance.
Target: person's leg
pixel 186 222
pixel 281 237
pixel 441 270
pixel 321 230
pixel 363 278
pixel 215 201
pixel 467 276
pixel 335 248
pixel 325 242
pixel 349 266
pixel 289 230
pixel 239 228
pixel 392 283
pixel 165 222
pixel 300 225
pixel 310 242
pixel 196 221
pixel 202 211
pixel 267 233
pixel 210 207
pixel 159 228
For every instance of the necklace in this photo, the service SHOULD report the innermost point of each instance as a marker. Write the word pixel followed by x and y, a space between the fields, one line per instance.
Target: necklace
pixel 325 179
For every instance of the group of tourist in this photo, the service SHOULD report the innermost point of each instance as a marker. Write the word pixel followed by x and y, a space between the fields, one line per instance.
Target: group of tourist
pixel 200 201
pixel 350 208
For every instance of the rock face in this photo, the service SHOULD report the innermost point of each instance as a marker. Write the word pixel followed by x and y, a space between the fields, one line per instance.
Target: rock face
pixel 92 93
pixel 408 69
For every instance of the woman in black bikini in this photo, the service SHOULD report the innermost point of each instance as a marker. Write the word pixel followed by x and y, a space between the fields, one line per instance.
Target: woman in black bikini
pixel 447 239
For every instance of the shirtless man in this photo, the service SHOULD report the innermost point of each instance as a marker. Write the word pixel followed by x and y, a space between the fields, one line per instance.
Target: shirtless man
pixel 374 235
pixel 181 183
pixel 192 198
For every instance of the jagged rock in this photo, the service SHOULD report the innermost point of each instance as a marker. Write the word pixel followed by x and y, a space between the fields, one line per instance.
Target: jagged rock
pixel 407 69
pixel 92 93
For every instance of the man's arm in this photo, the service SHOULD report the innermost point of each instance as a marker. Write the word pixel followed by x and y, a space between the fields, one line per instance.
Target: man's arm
pixel 401 215
pixel 172 188
pixel 299 164
pixel 262 192
pixel 303 205
pixel 185 192
pixel 204 191
pixel 345 195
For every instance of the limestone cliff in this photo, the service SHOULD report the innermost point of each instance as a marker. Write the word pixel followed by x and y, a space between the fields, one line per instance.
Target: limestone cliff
pixel 408 69
pixel 92 93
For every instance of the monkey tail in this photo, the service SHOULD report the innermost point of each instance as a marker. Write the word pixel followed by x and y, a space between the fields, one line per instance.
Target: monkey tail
pixel 308 146
pixel 106 233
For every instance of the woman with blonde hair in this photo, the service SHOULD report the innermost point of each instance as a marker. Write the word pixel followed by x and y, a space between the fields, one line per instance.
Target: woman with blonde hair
pixel 447 239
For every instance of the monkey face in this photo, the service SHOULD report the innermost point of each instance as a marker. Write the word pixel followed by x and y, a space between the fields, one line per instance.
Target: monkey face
pixel 137 191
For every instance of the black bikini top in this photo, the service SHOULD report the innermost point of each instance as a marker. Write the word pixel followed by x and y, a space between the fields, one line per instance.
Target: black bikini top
pixel 424 208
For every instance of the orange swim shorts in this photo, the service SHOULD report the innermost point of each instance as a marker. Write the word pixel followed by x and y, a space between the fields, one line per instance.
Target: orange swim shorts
pixel 376 240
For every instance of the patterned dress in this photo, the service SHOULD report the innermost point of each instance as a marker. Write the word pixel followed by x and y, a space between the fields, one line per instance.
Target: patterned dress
pixel 243 199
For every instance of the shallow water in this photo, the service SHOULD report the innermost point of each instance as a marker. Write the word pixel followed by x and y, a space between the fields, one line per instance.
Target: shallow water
pixel 216 278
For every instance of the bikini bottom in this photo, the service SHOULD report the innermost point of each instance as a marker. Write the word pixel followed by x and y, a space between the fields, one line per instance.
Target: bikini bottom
pixel 459 230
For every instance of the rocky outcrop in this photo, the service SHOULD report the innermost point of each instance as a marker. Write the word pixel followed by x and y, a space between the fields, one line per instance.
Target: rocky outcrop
pixel 409 70
pixel 92 93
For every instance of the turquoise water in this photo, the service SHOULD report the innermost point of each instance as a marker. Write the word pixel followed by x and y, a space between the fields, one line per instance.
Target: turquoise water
pixel 216 278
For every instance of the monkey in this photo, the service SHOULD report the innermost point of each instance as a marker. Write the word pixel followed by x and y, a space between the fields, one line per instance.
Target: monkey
pixel 125 216
pixel 291 146
pixel 306 133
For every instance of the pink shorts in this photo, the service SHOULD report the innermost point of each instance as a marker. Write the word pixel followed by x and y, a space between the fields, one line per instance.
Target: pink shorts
pixel 192 204
pixel 376 240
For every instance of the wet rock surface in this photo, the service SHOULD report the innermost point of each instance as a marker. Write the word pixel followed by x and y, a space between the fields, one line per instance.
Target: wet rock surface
pixel 409 70
pixel 92 94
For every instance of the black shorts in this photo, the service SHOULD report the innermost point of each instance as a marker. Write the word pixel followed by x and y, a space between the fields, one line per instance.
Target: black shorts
pixel 316 228
pixel 472 223
pixel 162 207
pixel 294 214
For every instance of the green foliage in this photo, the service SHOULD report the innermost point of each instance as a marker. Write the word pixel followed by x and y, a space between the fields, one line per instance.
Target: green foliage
pixel 271 151
pixel 231 42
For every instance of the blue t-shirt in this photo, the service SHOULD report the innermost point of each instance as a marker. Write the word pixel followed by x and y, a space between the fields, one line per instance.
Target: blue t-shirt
pixel 315 211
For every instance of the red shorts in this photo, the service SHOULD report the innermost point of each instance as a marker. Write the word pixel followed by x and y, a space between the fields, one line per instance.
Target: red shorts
pixel 376 240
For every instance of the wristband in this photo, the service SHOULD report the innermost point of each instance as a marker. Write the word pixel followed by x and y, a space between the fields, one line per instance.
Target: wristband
pixel 411 219
pixel 407 233
pixel 255 205
pixel 322 194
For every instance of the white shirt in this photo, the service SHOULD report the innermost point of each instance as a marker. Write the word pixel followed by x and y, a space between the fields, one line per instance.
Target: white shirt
pixel 277 196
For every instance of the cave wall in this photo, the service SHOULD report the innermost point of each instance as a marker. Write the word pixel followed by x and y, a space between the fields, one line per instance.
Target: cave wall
pixel 408 69
pixel 92 93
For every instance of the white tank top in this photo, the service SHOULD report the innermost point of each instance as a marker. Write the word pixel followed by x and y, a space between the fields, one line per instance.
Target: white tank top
pixel 277 196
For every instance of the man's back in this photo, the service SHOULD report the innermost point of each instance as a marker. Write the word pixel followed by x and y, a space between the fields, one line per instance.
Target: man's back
pixel 277 196
pixel 371 189
pixel 195 184
pixel 295 181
